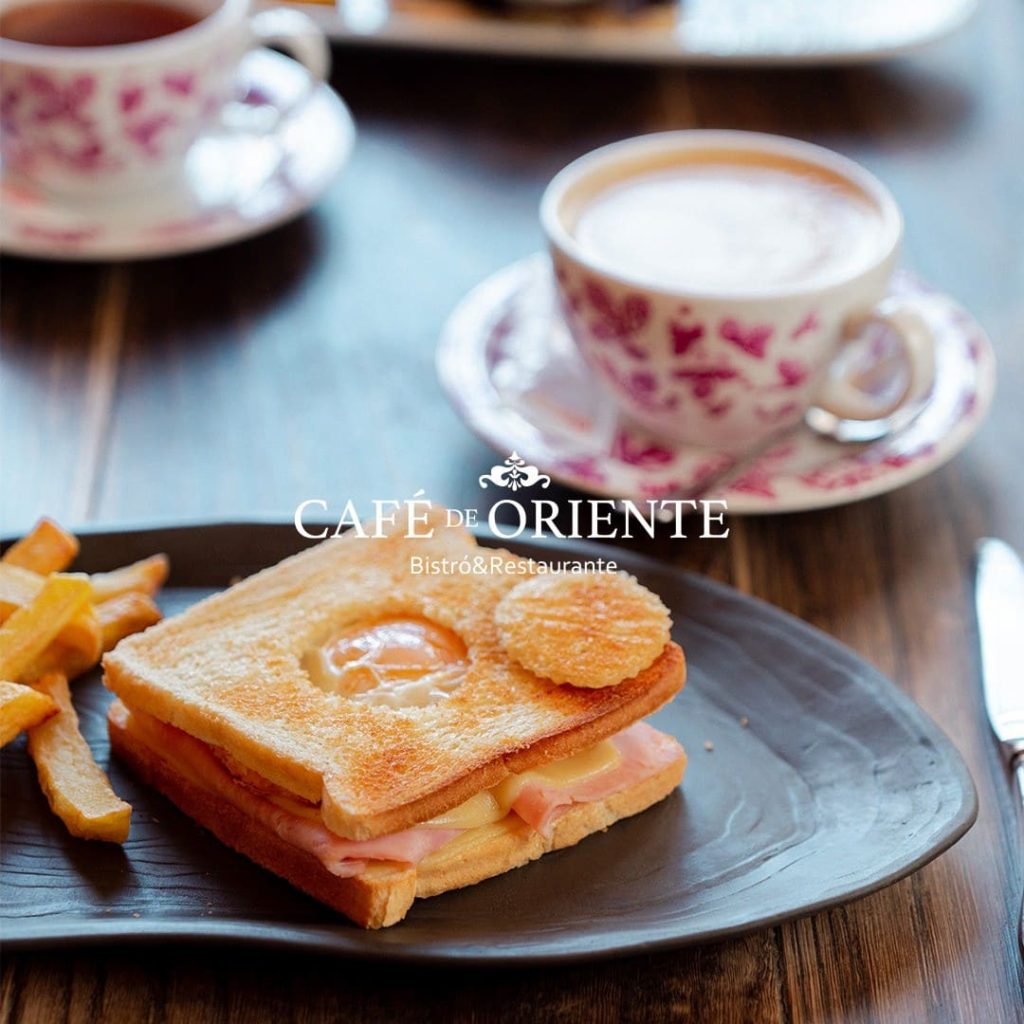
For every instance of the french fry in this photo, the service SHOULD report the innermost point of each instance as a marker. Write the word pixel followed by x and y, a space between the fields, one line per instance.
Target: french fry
pixel 32 628
pixel 48 548
pixel 80 638
pixel 121 616
pixel 17 587
pixel 71 658
pixel 21 707
pixel 78 645
pixel 146 576
pixel 54 626
pixel 78 791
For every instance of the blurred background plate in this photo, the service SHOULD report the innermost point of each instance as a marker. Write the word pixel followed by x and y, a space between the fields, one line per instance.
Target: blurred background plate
pixel 741 32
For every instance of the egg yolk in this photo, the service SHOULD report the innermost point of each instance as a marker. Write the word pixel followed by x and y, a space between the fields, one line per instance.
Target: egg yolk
pixel 390 660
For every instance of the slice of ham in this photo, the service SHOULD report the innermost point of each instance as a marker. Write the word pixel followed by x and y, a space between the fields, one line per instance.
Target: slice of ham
pixel 644 751
pixel 342 857
pixel 348 857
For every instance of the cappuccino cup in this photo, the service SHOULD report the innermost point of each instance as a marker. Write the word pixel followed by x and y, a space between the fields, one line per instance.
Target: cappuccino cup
pixel 714 280
pixel 98 120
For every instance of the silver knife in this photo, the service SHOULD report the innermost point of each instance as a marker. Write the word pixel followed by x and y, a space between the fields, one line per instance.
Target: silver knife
pixel 999 599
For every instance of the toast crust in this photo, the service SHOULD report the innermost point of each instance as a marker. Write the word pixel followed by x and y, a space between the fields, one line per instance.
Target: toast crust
pixel 383 893
pixel 379 896
pixel 521 844
pixel 229 672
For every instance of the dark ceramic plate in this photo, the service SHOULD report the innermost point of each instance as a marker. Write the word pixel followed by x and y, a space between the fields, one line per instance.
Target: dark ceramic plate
pixel 837 786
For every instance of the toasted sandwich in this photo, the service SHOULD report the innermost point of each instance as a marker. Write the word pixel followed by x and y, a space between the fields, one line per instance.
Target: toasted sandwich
pixel 374 735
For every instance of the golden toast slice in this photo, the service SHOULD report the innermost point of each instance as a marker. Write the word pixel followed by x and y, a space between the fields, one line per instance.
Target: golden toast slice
pixel 232 672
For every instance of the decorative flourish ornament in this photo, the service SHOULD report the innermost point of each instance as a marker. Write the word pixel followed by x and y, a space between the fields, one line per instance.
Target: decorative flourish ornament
pixel 514 474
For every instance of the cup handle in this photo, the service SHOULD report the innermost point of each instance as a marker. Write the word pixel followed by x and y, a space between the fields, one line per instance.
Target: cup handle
pixel 842 398
pixel 303 40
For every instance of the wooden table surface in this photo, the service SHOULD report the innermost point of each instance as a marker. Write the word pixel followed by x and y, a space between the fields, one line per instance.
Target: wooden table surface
pixel 300 365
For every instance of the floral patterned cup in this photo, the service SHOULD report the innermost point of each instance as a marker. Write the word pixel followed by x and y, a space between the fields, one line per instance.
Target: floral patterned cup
pixel 89 121
pixel 726 370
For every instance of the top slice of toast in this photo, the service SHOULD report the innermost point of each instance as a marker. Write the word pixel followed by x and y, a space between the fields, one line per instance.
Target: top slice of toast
pixel 229 671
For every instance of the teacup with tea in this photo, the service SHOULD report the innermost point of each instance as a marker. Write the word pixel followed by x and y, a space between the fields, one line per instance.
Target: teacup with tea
pixel 711 280
pixel 101 97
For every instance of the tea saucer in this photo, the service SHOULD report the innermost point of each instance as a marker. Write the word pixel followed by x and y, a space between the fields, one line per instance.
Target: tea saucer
pixel 512 371
pixel 239 180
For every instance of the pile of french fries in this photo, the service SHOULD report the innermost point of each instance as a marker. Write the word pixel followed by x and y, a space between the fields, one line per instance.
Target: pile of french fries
pixel 54 626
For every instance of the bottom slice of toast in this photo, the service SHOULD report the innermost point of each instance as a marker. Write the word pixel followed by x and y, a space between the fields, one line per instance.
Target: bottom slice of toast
pixel 382 894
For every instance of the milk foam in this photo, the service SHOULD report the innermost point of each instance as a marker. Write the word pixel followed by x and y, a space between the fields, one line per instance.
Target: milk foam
pixel 730 227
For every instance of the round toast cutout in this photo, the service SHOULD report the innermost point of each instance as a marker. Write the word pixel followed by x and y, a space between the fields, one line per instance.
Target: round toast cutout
pixel 583 629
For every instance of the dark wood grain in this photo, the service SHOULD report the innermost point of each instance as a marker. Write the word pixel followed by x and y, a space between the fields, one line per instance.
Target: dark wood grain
pixel 300 364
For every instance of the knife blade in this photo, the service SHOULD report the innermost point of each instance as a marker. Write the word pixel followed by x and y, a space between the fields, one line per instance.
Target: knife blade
pixel 999 599
pixel 999 603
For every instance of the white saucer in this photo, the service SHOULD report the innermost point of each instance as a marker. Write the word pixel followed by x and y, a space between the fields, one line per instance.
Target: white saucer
pixel 237 181
pixel 512 371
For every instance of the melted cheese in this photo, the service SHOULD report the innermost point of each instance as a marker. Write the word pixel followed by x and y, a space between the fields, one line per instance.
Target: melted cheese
pixel 395 662
pixel 462 845
pixel 494 804
pixel 311 812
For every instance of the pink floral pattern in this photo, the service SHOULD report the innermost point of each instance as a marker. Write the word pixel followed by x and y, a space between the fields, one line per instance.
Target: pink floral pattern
pixel 687 375
pixel 640 386
pixel 751 340
pixel 758 479
pixel 860 470
pixel 146 133
pixel 70 237
pixel 780 414
pixel 83 124
pixel 808 325
pixel 968 406
pixel 792 372
pixel 684 336
pixel 256 96
pixel 653 490
pixel 703 381
pixel 583 467
pixel 640 451
pixel 36 105
pixel 59 101
pixel 187 226
pixel 130 98
pixel 720 380
pixel 616 322
pixel 181 83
